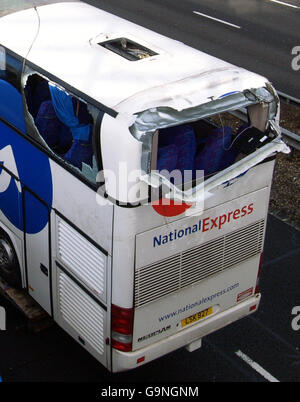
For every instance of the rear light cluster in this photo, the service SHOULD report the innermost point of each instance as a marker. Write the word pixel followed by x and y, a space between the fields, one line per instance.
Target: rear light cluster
pixel 122 328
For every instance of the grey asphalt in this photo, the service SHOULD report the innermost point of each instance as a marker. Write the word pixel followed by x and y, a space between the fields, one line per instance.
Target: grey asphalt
pixel 9 6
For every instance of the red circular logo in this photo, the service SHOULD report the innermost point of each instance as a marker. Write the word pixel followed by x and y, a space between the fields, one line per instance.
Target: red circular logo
pixel 166 207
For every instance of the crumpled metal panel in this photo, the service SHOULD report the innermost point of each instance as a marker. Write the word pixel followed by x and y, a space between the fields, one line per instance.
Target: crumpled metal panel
pixel 161 117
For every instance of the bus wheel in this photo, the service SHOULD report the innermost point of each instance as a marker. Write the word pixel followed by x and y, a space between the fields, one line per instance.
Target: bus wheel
pixel 9 265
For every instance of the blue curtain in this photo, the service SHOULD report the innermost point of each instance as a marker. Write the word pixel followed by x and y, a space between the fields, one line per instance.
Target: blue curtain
pixel 64 110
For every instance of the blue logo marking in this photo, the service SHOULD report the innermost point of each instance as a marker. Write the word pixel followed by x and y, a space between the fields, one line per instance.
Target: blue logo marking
pixel 32 167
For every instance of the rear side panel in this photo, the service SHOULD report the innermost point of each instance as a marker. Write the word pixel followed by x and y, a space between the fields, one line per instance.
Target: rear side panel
pixel 195 263
pixel 131 248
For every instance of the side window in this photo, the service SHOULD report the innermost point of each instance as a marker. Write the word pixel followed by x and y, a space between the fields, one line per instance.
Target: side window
pixel 10 68
pixel 11 105
pixel 2 60
pixel 65 123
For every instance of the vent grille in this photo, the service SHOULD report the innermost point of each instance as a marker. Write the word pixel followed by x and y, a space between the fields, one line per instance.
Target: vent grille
pixel 84 260
pixel 198 263
pixel 81 312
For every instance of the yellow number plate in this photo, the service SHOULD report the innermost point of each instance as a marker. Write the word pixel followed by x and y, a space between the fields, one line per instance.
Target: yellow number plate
pixel 197 316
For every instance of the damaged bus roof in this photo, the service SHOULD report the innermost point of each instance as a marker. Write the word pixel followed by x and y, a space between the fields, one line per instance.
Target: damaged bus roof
pixel 117 63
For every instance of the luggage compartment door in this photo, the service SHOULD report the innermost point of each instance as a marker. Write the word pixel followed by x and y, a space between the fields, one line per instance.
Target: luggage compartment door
pixel 37 250
pixel 81 300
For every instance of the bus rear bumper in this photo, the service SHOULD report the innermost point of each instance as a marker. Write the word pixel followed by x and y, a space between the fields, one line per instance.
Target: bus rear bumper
pixel 122 361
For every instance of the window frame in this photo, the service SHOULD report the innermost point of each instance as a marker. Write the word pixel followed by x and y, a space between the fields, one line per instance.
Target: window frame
pixel 36 137
pixel 13 68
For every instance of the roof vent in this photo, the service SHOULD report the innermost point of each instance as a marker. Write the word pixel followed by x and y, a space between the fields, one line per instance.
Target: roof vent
pixel 128 49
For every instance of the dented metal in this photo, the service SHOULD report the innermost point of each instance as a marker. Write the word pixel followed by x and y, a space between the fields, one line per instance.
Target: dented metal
pixel 148 121
pixel 198 193
pixel 161 117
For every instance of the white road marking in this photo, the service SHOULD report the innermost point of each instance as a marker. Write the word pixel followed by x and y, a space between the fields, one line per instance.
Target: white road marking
pixel 216 19
pixel 256 366
pixel 285 4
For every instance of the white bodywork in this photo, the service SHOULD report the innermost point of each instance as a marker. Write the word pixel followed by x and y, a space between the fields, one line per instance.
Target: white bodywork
pixel 119 243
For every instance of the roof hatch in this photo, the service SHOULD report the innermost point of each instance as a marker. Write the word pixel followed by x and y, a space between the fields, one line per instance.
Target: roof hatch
pixel 128 49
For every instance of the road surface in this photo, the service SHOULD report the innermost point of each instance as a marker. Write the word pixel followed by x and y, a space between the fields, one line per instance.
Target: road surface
pixel 259 35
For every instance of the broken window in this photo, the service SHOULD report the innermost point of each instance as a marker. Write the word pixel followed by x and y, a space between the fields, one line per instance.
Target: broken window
pixel 64 122
pixel 11 105
pixel 202 137
pixel 210 145
pixel 216 146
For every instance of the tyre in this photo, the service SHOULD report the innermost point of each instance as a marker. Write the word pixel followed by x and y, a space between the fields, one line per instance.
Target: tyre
pixel 9 265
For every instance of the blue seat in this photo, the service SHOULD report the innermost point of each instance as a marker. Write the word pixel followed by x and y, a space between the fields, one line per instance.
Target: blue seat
pixel 36 92
pixel 183 137
pixel 216 154
pixel 65 139
pixel 186 144
pixel 167 157
pixel 54 132
pixel 80 152
pixel 48 124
